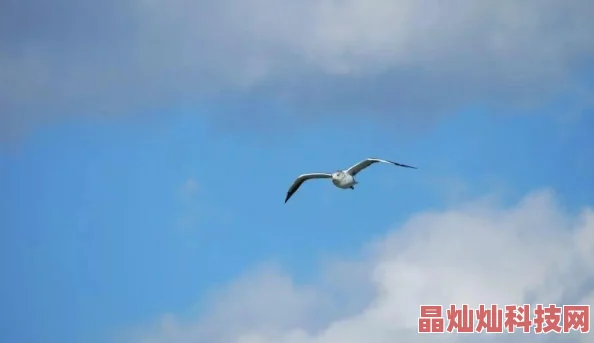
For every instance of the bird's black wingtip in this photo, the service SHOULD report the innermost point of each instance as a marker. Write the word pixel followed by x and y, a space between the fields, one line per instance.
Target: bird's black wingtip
pixel 404 165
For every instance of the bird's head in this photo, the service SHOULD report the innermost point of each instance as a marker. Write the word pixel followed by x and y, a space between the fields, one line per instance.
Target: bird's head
pixel 336 174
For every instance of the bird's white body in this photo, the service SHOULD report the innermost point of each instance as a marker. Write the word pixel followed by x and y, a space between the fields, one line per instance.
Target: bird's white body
pixel 344 180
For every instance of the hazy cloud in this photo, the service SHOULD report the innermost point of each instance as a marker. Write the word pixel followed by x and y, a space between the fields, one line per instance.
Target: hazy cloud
pixel 190 205
pixel 533 252
pixel 405 59
pixel 190 187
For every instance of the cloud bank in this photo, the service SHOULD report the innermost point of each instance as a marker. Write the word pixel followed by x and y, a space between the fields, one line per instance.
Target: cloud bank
pixel 480 253
pixel 403 59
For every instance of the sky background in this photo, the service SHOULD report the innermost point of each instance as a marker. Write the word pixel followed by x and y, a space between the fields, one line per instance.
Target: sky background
pixel 146 149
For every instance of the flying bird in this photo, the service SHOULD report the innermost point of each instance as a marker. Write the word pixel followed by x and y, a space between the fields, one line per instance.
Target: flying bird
pixel 344 179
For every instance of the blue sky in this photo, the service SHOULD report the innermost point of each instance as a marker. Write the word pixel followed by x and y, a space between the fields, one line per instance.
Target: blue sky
pixel 146 148
pixel 94 237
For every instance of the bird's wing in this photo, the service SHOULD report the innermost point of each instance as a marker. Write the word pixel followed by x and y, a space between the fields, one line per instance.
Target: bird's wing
pixel 301 179
pixel 367 162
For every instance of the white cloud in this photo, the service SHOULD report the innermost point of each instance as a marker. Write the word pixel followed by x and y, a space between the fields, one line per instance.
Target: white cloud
pixel 409 59
pixel 533 252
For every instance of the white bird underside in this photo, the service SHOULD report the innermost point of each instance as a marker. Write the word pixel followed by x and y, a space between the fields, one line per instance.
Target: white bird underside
pixel 344 179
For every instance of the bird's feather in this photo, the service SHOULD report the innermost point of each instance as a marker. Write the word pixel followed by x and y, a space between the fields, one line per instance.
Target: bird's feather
pixel 354 170
pixel 301 179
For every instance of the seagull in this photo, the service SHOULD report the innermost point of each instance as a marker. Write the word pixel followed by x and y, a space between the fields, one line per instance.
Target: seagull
pixel 344 179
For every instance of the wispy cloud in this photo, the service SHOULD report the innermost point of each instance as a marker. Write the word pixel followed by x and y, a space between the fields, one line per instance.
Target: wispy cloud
pixel 478 253
pixel 190 187
pixel 196 207
pixel 191 205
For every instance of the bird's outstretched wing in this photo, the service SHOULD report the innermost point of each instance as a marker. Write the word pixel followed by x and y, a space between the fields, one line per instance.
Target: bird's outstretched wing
pixel 367 162
pixel 301 179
